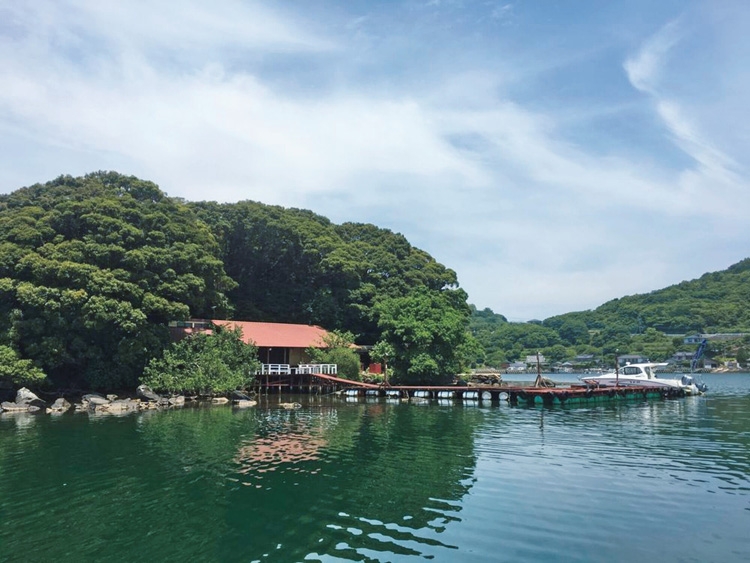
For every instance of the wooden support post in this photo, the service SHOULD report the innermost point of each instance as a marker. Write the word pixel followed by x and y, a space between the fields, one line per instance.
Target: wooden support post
pixel 538 381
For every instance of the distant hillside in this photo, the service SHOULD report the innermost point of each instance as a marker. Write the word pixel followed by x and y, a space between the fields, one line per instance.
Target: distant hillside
pixel 650 324
pixel 715 302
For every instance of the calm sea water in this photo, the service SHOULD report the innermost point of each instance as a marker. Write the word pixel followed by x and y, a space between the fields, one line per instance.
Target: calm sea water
pixel 376 481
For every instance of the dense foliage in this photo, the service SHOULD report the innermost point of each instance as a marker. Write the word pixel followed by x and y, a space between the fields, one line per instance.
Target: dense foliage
pixel 17 372
pixel 204 363
pixel 339 350
pixel 428 334
pixel 91 271
pixel 295 266
pixel 715 302
pixel 292 265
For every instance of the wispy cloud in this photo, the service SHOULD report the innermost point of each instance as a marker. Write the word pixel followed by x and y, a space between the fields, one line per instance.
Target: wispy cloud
pixel 644 68
pixel 645 73
pixel 305 108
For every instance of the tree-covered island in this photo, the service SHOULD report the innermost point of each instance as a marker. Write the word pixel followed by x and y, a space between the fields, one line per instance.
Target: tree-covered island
pixel 93 269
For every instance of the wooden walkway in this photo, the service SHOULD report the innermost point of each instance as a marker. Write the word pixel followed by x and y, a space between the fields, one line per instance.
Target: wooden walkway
pixel 515 395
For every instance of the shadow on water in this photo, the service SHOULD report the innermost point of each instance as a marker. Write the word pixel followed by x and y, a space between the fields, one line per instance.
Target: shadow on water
pixel 380 481
pixel 223 484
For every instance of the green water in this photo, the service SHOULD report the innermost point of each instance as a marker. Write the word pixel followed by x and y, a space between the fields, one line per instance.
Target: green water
pixel 375 481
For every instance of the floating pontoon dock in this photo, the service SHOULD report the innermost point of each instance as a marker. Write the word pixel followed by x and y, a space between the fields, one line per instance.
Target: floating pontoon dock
pixel 515 395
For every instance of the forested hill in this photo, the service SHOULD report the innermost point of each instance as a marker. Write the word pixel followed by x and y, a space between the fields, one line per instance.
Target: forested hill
pixel 93 268
pixel 292 265
pixel 643 324
pixel 715 302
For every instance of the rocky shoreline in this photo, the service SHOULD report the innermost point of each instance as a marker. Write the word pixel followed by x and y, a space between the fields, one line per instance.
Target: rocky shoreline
pixel 145 399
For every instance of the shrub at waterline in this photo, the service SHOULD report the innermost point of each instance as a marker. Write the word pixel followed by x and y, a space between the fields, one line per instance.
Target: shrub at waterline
pixel 339 350
pixel 18 371
pixel 207 364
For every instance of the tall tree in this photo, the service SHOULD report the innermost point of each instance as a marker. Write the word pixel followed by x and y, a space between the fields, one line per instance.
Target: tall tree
pixel 92 269
pixel 428 331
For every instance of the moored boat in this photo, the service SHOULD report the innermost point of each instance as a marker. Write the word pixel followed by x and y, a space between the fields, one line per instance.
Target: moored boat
pixel 644 375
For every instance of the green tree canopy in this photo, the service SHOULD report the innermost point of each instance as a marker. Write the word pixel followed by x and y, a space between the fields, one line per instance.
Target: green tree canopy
pixel 204 363
pixel 715 302
pixel 339 350
pixel 292 265
pixel 428 331
pixel 91 271
pixel 16 371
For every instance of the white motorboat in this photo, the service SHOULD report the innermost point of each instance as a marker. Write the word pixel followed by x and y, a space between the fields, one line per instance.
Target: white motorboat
pixel 644 375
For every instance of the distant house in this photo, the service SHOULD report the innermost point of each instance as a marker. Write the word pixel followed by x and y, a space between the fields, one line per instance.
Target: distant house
pixel 631 359
pixel 531 360
pixel 683 356
pixel 517 367
pixel 693 339
pixel 719 336
pixel 280 343
pixel 584 358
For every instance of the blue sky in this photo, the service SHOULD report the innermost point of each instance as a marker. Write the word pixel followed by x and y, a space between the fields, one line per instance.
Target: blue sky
pixel 555 154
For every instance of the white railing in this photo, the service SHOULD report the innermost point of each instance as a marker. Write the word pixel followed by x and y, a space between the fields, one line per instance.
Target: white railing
pixel 276 369
pixel 327 369
pixel 286 369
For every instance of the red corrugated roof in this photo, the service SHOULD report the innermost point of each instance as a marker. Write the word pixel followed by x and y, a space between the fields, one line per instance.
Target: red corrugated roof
pixel 278 335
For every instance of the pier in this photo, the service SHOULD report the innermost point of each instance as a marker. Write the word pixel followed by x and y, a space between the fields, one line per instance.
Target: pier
pixel 576 394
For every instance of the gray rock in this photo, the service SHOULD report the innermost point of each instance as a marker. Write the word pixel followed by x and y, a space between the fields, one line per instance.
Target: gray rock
pixel 119 406
pixel 8 407
pixel 60 405
pixel 240 396
pixel 25 396
pixel 177 400
pixel 15 407
pixel 244 404
pixel 290 406
pixel 95 399
pixel 145 392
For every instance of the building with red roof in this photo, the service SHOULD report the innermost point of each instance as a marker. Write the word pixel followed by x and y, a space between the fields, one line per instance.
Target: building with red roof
pixel 280 343
pixel 277 343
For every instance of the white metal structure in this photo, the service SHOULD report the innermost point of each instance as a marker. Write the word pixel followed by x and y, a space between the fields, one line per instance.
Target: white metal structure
pixel 286 369
pixel 327 369
pixel 276 369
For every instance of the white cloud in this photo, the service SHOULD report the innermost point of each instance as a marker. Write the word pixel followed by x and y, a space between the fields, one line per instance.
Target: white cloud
pixel 714 170
pixel 644 68
pixel 533 223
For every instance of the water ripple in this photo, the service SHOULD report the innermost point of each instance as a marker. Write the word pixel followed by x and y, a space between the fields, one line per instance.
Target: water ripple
pixel 372 481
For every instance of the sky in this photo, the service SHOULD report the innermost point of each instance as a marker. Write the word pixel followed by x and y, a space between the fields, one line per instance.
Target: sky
pixel 556 155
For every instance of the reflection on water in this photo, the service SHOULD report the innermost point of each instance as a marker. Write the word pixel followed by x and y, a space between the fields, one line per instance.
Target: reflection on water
pixel 384 481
